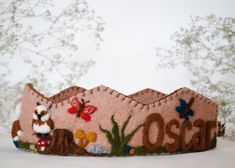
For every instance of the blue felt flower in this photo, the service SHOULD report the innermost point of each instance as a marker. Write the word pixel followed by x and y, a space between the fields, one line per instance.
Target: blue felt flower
pixel 184 109
pixel 127 149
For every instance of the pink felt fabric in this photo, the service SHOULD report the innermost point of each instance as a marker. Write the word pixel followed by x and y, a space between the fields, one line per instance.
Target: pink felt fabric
pixel 147 96
pixel 109 102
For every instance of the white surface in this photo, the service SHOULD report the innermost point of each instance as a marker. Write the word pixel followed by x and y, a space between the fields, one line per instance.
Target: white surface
pixel 221 157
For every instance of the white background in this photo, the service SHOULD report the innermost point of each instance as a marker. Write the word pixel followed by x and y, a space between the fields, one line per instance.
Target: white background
pixel 127 59
pixel 126 62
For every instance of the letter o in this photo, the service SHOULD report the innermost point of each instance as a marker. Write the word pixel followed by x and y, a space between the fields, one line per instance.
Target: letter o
pixel 159 139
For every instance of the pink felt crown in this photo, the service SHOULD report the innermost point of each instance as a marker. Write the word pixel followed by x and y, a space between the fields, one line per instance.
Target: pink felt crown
pixel 104 122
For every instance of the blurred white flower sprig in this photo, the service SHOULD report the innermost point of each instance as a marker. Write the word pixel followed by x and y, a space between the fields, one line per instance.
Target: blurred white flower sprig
pixel 206 48
pixel 46 37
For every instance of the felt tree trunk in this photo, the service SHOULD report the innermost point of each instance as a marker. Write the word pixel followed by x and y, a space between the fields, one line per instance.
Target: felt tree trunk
pixel 62 143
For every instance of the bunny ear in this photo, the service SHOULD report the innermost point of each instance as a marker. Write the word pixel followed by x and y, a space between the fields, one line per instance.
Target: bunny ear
pixel 38 104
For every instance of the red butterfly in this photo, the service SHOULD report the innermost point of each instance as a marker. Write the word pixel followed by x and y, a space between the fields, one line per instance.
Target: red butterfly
pixel 83 111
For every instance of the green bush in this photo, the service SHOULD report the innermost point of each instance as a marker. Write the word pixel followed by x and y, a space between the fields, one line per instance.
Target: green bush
pixel 117 137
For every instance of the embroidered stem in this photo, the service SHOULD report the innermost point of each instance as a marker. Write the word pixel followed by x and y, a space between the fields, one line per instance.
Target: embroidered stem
pixel 189 105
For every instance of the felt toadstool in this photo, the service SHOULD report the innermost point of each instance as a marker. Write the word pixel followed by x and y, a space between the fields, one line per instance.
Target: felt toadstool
pixel 85 138
pixel 91 136
pixel 80 134
pixel 42 143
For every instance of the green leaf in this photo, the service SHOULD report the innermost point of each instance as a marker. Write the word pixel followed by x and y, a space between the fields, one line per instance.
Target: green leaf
pixel 115 131
pixel 124 127
pixel 213 142
pixel 118 144
pixel 129 136
pixel 108 135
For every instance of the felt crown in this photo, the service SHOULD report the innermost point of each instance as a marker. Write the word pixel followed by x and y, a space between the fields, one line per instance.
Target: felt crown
pixel 103 122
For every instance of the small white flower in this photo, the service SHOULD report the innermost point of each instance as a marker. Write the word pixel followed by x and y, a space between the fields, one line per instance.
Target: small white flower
pixel 32 147
pixel 97 149
pixel 20 133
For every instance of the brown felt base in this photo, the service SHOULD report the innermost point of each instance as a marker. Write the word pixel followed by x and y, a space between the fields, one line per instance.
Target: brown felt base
pixel 111 155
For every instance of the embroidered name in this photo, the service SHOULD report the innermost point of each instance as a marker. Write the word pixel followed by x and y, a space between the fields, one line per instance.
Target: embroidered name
pixel 200 141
